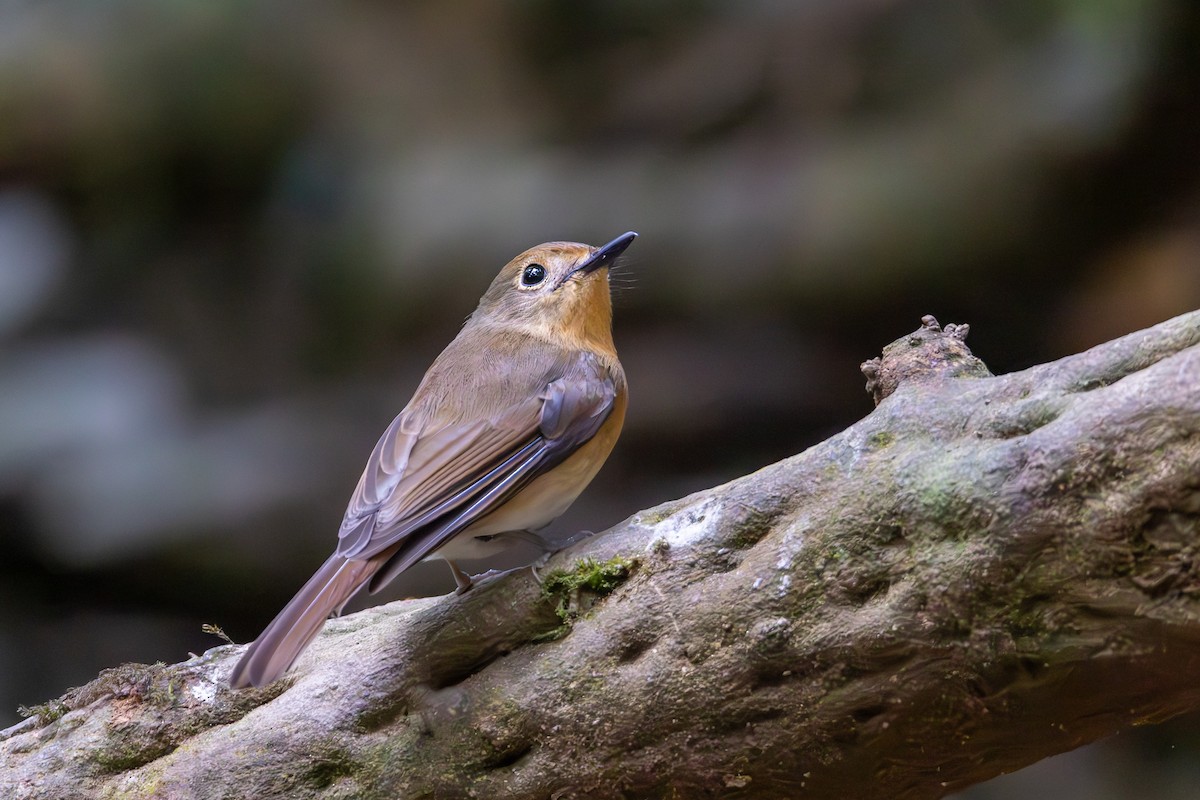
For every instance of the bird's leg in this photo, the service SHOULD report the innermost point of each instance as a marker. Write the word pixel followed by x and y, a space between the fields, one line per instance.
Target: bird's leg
pixel 541 562
pixel 563 545
pixel 462 581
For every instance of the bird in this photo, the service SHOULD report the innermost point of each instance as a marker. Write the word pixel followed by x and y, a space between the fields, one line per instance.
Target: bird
pixel 507 427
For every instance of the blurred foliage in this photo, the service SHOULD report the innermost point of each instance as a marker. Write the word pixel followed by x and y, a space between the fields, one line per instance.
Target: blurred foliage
pixel 232 236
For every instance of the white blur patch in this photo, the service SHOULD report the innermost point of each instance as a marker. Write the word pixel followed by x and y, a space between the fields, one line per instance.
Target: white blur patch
pixel 61 397
pixel 109 501
pixel 792 541
pixel 204 692
pixel 34 246
pixel 94 432
pixel 686 526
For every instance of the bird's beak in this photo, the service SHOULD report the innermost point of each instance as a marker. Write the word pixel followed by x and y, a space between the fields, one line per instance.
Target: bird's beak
pixel 606 255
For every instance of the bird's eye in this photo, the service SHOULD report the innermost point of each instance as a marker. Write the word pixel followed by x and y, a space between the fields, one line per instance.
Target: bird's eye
pixel 533 275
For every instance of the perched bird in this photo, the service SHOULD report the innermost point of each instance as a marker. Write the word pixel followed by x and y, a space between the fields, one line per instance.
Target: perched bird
pixel 507 427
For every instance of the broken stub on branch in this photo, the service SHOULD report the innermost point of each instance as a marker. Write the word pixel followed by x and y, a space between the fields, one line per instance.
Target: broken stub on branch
pixel 929 352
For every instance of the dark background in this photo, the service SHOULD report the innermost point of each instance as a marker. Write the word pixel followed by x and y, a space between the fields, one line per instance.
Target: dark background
pixel 233 235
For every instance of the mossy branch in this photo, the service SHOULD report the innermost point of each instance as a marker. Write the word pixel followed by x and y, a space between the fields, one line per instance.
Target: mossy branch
pixel 982 572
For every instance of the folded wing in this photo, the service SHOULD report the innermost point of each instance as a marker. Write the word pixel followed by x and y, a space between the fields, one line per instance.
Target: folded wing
pixel 443 481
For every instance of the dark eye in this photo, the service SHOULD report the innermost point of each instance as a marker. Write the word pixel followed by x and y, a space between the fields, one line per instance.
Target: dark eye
pixel 533 275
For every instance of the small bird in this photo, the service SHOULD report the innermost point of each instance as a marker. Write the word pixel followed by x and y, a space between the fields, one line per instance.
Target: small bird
pixel 509 424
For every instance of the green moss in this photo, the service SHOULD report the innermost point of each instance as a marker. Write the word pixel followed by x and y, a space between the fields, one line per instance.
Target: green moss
pixel 599 577
pixel 564 588
pixel 143 786
pixel 748 530
pixel 327 768
pixel 123 755
pixel 652 516
pixel 155 684
pixel 552 635
pixel 45 712
pixel 881 439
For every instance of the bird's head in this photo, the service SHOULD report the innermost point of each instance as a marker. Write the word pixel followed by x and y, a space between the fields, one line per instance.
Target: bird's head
pixel 557 290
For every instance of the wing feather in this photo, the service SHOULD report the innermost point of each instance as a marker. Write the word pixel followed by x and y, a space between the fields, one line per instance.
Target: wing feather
pixel 418 490
pixel 572 413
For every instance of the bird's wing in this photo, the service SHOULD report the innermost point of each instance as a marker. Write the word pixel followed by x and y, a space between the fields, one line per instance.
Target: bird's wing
pixel 421 488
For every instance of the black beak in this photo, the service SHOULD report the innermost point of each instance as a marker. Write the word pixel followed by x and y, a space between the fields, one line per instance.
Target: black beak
pixel 606 255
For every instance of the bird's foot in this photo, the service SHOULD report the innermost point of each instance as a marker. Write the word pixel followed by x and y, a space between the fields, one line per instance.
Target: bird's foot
pixel 462 581
pixel 535 566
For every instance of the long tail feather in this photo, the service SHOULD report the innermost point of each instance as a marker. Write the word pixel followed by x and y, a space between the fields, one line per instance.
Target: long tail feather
pixel 282 642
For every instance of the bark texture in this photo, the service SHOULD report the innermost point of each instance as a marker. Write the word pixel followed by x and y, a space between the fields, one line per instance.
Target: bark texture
pixel 982 572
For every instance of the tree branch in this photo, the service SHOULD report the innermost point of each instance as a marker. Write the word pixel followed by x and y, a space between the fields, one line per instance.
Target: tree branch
pixel 982 572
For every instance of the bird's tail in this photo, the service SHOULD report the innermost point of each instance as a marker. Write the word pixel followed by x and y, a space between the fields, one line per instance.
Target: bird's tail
pixel 282 642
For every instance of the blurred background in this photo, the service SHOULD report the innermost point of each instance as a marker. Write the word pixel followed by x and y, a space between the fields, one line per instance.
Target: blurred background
pixel 233 235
